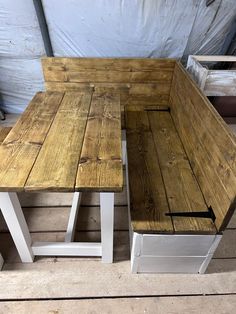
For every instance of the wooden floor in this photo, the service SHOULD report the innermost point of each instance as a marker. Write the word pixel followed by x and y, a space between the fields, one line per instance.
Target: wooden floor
pixel 85 285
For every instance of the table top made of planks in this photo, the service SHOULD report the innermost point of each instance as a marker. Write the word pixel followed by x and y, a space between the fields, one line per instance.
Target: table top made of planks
pixel 65 142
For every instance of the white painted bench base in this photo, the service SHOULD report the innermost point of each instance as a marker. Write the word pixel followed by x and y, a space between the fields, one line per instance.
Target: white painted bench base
pixel 157 253
pixel 1 261
pixel 15 220
pixel 161 253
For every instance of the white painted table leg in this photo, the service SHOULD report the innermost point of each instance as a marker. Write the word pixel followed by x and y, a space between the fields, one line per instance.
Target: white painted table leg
pixel 1 261
pixel 73 217
pixel 15 220
pixel 107 226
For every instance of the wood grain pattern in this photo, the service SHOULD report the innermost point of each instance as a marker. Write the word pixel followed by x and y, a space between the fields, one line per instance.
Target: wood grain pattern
pixel 138 80
pixel 160 89
pixel 209 144
pixel 148 202
pixel 4 132
pixel 100 164
pixel 107 64
pixel 108 76
pixel 23 143
pixel 56 166
pixel 183 192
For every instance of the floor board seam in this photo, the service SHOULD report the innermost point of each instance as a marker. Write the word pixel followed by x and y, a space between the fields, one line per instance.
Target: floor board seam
pixel 117 297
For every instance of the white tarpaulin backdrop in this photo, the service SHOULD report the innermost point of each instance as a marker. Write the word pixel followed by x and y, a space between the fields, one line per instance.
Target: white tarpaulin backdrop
pixel 103 28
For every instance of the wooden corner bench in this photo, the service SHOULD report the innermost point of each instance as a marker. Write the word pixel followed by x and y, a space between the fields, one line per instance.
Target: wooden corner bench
pixel 181 168
pixel 181 157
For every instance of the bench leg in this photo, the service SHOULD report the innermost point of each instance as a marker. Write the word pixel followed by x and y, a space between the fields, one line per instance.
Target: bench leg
pixel 107 226
pixel 1 261
pixel 15 220
pixel 70 232
pixel 214 246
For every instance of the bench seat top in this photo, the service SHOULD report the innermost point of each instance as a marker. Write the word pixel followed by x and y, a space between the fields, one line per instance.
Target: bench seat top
pixel 64 142
pixel 160 177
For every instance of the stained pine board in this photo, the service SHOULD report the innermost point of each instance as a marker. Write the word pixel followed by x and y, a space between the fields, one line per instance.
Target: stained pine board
pixel 56 166
pixel 160 89
pixel 4 132
pixel 22 145
pixel 107 64
pixel 182 189
pixel 148 202
pixel 213 191
pixel 210 145
pixel 108 76
pixel 100 165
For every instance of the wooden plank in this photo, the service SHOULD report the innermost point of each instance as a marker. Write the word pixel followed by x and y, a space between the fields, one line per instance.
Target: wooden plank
pixel 212 157
pixel 149 89
pixel 55 169
pixel 100 165
pixel 30 280
pixel 147 193
pixel 108 76
pixel 4 132
pixel 23 143
pixel 183 192
pixel 106 64
pixel 223 304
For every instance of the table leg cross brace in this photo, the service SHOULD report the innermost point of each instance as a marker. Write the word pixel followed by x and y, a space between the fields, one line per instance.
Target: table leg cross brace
pixel 18 228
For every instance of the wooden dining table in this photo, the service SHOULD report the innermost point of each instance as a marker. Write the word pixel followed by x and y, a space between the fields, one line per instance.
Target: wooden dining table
pixel 63 142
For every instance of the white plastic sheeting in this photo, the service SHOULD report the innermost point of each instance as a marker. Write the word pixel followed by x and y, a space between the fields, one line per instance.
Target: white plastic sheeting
pixel 138 28
pixel 21 47
pixel 211 27
pixel 121 28
pixel 103 28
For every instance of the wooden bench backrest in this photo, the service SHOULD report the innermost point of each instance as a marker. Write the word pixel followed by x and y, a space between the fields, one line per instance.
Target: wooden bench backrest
pixel 142 81
pixel 209 144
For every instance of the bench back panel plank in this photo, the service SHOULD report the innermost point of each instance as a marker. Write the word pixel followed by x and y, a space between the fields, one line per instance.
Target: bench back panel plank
pixel 183 192
pixel 57 168
pixel 18 151
pixel 148 200
pixel 209 144
pixel 100 162
pixel 135 79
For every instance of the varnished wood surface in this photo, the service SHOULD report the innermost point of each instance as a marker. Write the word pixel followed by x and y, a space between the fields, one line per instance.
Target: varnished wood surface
pixel 138 80
pixel 209 144
pixel 3 133
pixel 148 202
pixel 22 145
pixel 100 164
pixel 42 151
pixel 182 189
pixel 160 177
pixel 57 162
